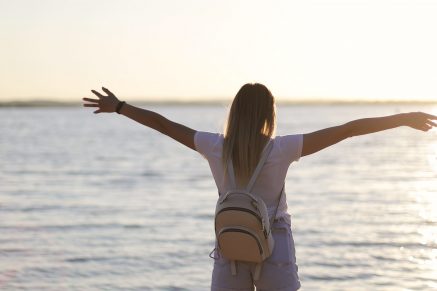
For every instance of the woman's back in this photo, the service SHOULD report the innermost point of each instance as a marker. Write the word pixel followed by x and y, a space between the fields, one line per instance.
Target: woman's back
pixel 286 149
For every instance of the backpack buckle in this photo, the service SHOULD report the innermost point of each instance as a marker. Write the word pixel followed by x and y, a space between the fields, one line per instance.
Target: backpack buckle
pixel 254 204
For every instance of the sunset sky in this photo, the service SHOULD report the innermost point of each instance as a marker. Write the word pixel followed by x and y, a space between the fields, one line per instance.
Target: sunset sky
pixel 186 49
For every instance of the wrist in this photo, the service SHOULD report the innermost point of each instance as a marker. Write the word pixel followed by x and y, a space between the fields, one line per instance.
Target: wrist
pixel 403 119
pixel 119 106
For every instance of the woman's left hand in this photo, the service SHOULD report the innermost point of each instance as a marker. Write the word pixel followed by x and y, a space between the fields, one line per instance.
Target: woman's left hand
pixel 420 120
pixel 105 103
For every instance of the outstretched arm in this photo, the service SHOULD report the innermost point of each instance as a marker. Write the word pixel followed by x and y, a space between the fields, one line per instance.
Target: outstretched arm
pixel 178 132
pixel 318 140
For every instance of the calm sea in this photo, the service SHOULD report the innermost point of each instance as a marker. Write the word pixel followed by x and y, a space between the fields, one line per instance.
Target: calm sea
pixel 99 202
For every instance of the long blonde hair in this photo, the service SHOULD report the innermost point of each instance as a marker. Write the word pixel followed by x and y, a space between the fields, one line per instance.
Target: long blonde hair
pixel 251 123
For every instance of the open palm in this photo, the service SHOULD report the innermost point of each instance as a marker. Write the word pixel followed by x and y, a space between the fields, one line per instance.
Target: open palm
pixel 104 103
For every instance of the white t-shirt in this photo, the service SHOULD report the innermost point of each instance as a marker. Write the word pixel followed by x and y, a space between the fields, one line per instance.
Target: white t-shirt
pixel 286 149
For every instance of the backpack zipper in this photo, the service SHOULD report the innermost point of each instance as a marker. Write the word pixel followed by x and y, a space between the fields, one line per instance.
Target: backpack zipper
pixel 242 209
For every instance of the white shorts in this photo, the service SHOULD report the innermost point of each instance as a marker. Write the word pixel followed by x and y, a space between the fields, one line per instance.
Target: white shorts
pixel 279 272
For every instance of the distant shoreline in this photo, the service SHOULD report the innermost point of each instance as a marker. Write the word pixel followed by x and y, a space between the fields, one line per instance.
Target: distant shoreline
pixel 51 103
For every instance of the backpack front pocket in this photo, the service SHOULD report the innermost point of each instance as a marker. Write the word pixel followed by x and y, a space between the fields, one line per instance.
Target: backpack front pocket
pixel 240 244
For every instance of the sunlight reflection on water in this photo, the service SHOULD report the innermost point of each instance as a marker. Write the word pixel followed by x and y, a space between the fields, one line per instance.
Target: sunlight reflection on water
pixel 432 157
pixel 426 199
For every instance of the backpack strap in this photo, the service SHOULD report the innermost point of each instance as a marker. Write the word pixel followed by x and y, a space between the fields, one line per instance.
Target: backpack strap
pixel 257 272
pixel 277 206
pixel 233 268
pixel 262 160
pixel 265 153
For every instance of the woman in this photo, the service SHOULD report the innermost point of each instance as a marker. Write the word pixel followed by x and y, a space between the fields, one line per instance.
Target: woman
pixel 251 124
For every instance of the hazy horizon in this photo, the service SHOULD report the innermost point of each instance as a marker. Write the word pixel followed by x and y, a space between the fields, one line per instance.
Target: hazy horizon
pixel 217 101
pixel 207 99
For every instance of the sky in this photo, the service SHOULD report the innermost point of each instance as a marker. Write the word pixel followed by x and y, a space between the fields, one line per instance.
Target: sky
pixel 205 50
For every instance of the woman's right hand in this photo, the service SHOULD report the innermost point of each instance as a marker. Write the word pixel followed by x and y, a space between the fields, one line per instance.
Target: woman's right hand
pixel 420 120
pixel 104 103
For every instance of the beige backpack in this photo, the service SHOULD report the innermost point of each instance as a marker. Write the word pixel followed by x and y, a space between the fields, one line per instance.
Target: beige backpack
pixel 242 224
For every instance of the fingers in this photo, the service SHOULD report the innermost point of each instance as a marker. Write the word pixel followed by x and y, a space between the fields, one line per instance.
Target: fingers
pixel 426 127
pixel 91 105
pixel 90 99
pixel 97 94
pixel 107 91
pixel 430 123
pixel 97 102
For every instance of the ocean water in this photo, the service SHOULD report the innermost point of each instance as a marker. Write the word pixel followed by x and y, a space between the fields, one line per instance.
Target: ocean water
pixel 99 202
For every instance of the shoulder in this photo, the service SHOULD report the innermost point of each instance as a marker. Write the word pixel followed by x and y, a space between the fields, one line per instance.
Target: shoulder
pixel 208 137
pixel 289 138
pixel 205 142
pixel 290 146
